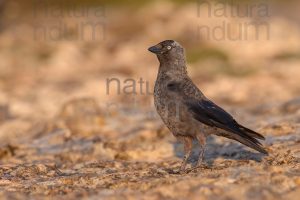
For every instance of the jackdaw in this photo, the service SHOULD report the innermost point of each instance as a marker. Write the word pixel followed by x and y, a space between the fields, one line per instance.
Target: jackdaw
pixel 186 111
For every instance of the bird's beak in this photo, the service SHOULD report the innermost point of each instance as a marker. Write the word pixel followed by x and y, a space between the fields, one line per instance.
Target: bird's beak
pixel 154 49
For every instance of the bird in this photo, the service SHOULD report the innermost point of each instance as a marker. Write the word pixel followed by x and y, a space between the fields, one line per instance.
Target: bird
pixel 187 112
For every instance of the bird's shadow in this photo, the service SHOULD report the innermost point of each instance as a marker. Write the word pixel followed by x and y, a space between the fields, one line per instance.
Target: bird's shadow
pixel 230 150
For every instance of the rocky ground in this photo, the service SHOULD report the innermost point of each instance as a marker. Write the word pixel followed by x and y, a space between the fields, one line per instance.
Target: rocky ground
pixel 64 136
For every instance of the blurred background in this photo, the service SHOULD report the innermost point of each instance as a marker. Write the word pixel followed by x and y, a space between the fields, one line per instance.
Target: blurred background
pixel 76 79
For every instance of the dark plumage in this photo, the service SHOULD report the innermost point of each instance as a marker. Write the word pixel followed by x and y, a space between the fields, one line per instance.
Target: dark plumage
pixel 186 111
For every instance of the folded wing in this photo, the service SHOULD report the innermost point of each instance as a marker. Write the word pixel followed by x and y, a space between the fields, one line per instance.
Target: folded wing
pixel 210 114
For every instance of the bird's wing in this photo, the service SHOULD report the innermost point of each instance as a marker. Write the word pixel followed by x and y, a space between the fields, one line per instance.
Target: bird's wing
pixel 203 109
pixel 210 114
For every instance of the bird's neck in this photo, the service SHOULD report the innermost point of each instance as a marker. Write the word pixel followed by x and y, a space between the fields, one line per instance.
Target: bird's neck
pixel 175 65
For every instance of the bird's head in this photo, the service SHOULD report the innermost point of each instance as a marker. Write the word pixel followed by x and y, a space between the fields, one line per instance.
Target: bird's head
pixel 168 50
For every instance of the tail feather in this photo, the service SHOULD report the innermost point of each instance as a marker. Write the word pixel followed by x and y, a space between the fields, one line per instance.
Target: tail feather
pixel 243 135
pixel 251 133
pixel 248 138
pixel 252 143
pixel 245 138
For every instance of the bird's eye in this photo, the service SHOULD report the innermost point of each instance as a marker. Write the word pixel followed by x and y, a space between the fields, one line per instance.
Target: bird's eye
pixel 169 47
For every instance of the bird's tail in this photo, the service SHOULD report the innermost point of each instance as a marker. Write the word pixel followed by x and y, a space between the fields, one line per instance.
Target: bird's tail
pixel 247 137
pixel 252 143
pixel 251 133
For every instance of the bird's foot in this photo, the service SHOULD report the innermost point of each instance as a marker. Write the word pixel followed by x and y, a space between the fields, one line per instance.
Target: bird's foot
pixel 176 171
pixel 182 170
pixel 196 168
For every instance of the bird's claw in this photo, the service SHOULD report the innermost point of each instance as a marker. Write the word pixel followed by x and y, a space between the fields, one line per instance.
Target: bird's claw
pixel 195 168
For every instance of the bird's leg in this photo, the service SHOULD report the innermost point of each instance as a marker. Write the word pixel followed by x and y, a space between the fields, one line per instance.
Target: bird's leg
pixel 202 141
pixel 188 145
